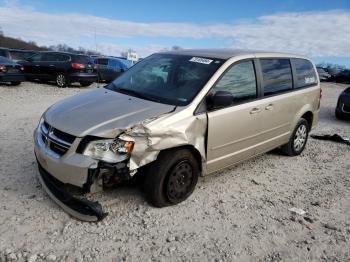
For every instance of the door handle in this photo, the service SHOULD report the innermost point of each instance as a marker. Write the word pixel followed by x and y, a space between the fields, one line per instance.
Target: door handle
pixel 255 110
pixel 52 65
pixel 269 107
pixel 37 65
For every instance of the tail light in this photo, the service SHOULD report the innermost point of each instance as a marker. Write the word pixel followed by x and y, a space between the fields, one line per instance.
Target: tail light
pixel 78 66
pixel 2 68
pixel 321 93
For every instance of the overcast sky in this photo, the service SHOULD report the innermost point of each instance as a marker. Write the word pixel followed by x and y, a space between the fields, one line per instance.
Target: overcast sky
pixel 320 29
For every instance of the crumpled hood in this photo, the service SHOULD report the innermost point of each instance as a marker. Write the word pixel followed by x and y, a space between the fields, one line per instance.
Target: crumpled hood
pixel 101 112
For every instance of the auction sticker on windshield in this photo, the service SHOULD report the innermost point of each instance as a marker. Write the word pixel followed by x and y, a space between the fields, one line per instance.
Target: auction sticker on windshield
pixel 201 60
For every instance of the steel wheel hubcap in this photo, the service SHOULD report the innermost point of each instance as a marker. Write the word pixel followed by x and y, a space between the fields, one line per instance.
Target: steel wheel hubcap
pixel 61 80
pixel 180 181
pixel 300 137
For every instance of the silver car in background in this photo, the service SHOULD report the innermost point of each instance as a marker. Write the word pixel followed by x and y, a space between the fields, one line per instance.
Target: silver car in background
pixel 173 117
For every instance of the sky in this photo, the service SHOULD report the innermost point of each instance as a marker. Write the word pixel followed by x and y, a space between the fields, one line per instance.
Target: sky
pixel 319 29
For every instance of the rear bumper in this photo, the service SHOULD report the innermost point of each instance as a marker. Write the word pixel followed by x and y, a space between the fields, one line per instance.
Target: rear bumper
pixel 86 77
pixel 12 78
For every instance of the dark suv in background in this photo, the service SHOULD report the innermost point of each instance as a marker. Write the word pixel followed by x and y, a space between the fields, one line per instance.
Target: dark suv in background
pixel 16 54
pixel 63 68
pixel 109 68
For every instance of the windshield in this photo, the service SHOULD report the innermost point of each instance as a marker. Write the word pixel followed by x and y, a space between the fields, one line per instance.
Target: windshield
pixel 167 78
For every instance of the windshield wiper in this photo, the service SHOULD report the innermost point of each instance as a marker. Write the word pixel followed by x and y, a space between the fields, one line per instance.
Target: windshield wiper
pixel 137 94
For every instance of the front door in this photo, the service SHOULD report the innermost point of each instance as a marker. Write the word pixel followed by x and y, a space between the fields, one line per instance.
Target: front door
pixel 233 131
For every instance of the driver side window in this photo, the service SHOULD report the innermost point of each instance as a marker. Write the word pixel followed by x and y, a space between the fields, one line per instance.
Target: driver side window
pixel 240 81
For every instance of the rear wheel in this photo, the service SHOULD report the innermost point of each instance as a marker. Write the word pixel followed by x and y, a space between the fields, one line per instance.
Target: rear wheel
pixel 15 83
pixel 172 178
pixel 85 83
pixel 61 80
pixel 297 141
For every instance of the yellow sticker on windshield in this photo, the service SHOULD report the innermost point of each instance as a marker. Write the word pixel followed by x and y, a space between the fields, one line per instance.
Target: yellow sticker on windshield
pixel 201 60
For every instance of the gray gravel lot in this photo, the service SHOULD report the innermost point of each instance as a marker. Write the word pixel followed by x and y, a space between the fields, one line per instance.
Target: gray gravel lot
pixel 239 214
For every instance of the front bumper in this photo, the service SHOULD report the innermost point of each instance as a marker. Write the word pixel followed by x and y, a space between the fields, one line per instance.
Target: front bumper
pixel 80 208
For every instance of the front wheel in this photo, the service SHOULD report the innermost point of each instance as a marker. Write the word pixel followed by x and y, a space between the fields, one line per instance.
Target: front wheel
pixel 61 80
pixel 172 178
pixel 297 141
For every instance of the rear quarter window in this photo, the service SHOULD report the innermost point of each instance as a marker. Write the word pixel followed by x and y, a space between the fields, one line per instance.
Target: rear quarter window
pixel 305 73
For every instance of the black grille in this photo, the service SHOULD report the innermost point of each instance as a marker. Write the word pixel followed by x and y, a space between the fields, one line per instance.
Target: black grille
pixel 58 149
pixel 64 136
pixel 56 140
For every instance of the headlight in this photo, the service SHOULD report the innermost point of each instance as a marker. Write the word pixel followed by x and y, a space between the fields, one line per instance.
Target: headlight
pixel 109 150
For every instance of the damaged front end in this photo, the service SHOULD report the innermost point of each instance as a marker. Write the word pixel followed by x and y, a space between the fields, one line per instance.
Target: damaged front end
pixel 85 166
pixel 93 163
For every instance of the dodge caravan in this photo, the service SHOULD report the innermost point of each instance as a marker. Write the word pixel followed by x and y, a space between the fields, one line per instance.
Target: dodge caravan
pixel 173 117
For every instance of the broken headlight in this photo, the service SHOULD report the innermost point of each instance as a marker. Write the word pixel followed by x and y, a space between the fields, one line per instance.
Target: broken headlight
pixel 109 150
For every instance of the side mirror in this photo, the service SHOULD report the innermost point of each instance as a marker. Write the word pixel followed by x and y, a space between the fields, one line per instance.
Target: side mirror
pixel 220 99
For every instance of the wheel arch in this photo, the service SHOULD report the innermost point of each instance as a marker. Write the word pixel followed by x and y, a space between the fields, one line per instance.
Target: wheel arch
pixel 305 112
pixel 309 117
pixel 189 147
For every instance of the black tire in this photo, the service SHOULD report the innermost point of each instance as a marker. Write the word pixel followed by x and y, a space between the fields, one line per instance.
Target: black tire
pixel 15 83
pixel 294 148
pixel 172 178
pixel 340 115
pixel 61 80
pixel 85 83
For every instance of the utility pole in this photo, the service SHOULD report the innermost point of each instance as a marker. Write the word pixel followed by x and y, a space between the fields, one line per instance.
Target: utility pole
pixel 95 41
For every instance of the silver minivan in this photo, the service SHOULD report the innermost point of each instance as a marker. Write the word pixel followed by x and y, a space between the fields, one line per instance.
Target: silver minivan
pixel 173 117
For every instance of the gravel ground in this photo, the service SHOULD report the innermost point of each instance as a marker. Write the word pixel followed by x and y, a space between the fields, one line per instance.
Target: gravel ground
pixel 239 214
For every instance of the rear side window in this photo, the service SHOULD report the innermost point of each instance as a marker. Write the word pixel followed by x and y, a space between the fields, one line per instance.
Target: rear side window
pixel 277 76
pixel 62 58
pixel 305 73
pixel 48 57
pixel 240 81
pixel 36 58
